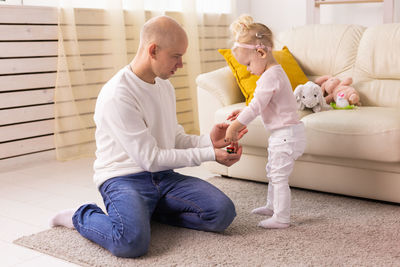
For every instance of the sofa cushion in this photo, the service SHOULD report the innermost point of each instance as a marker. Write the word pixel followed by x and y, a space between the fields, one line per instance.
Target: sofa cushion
pixel 369 133
pixel 221 85
pixel 323 49
pixel 377 68
pixel 247 81
pixel 365 133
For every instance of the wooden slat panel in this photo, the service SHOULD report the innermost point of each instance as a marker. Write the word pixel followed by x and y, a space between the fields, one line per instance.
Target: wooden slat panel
pixel 75 122
pixel 130 57
pixel 27 81
pixel 183 93
pixel 91 76
pixel 209 66
pixel 92 61
pixel 28 14
pixel 92 26
pixel 27 32
pixel 189 128
pixel 44 80
pixel 49 48
pixel 28 49
pixel 179 81
pixel 95 32
pixel 178 16
pixel 23 98
pixel 74 137
pixel 213 54
pixel 182 71
pixel 89 16
pixel 185 117
pixel 130 19
pixel 98 16
pixel 86 106
pixel 24 130
pixel 216 19
pixel 89 47
pixel 96 76
pixel 132 45
pixel 184 105
pixel 26 146
pixel 15 115
pixel 83 149
pixel 81 92
pixel 214 44
pixel 131 32
pixel 214 31
pixel 25 65
pixel 88 32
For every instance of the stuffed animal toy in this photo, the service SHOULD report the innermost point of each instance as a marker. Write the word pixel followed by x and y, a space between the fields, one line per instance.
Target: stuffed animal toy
pixel 310 96
pixel 333 86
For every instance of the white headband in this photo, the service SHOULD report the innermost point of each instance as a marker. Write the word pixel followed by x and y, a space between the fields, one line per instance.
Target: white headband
pixel 250 46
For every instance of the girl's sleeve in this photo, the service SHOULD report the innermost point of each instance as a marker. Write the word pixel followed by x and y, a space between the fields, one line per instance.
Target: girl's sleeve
pixel 262 97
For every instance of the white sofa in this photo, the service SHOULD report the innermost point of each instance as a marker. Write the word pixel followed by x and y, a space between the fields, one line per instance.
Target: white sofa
pixel 351 152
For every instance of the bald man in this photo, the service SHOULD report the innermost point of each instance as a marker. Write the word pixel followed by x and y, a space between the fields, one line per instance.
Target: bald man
pixel 139 143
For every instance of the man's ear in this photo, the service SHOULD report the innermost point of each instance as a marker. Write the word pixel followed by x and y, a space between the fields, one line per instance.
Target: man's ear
pixel 152 49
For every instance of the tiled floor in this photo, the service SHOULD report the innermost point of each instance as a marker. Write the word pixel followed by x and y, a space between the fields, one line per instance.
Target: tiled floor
pixel 30 196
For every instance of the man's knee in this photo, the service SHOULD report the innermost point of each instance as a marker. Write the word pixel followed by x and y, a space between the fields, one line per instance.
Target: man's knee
pixel 224 215
pixel 132 248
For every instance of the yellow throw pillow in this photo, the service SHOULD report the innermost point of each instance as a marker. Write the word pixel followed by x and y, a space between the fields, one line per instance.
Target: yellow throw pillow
pixel 247 81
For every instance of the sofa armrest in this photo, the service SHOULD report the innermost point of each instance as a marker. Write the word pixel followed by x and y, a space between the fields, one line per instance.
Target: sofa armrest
pixel 215 89
pixel 222 85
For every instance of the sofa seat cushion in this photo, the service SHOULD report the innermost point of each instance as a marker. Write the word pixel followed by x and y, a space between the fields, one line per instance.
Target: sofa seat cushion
pixel 369 133
pixel 364 133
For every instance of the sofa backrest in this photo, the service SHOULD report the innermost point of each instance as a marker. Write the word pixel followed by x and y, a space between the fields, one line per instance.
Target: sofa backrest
pixel 323 49
pixel 371 56
pixel 377 68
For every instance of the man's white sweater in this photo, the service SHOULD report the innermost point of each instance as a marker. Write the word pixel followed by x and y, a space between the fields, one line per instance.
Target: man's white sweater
pixel 137 129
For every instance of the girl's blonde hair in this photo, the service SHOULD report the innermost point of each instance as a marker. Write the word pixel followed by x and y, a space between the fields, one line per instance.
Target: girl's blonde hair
pixel 245 30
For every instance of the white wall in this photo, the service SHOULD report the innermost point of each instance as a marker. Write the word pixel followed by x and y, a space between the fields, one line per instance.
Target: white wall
pixel 282 15
pixel 242 7
pixel 279 15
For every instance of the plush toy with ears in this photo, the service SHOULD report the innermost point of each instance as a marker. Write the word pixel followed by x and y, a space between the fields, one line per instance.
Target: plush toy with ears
pixel 333 86
pixel 310 96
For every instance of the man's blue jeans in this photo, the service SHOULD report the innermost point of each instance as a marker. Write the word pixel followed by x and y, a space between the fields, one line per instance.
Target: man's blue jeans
pixel 133 200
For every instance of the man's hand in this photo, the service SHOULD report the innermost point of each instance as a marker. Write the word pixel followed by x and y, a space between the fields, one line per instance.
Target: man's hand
pixel 224 158
pixel 218 132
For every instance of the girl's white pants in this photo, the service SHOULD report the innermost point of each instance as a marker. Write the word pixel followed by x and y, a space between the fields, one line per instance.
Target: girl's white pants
pixel 285 146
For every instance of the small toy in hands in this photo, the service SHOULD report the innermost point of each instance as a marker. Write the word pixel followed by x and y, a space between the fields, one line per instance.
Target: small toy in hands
pixel 230 149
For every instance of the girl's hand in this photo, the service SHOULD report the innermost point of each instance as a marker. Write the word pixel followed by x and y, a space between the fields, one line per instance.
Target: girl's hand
pixel 231 135
pixel 233 115
pixel 218 132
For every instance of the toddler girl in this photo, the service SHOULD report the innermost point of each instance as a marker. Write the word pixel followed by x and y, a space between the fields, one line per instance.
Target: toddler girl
pixel 275 102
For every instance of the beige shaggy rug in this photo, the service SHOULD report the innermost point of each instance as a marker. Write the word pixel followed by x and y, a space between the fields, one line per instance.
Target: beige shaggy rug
pixel 327 230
